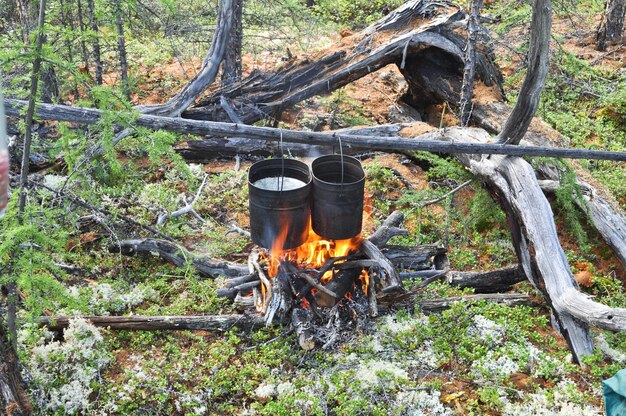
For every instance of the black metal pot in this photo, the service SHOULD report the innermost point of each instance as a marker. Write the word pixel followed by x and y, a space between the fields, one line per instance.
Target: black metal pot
pixel 337 198
pixel 272 208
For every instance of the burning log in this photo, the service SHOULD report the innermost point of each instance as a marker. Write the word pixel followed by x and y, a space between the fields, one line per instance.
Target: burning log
pixel 495 281
pixel 339 285
pixel 281 298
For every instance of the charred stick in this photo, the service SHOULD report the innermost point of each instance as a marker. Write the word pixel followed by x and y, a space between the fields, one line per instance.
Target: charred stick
pixel 178 256
pixel 231 293
pixel 371 298
pixel 301 320
pixel 267 294
pixel 231 283
pixel 318 286
pixel 389 278
pixel 341 282
pixel 431 279
pixel 280 299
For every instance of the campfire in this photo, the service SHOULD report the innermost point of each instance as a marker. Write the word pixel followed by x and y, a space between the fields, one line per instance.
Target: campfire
pixel 323 285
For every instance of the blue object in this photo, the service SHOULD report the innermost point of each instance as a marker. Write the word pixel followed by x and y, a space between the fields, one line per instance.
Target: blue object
pixel 615 394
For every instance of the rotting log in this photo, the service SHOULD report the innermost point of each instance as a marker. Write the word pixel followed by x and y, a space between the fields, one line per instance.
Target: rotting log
pixel 152 323
pixel 179 257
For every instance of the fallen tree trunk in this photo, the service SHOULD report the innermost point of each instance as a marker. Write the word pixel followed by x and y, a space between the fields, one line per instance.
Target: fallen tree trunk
pixel 152 323
pixel 431 142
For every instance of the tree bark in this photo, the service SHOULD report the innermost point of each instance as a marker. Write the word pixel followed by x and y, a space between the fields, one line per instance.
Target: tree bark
pixel 612 24
pixel 179 103
pixel 121 48
pixel 469 70
pixel 524 110
pixel 14 397
pixel 231 65
pixel 93 22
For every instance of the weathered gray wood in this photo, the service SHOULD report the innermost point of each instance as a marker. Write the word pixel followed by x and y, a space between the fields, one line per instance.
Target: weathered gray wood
pixel 412 258
pixel 177 256
pixel 179 103
pixel 608 220
pixel 152 323
pixel 389 277
pixel 388 229
pixel 469 68
pixel 538 61
pixel 432 142
pixel 438 305
pixel 535 239
pixel 418 24
pixel 301 320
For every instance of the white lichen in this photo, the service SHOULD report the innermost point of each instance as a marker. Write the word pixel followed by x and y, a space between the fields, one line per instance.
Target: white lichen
pixel 420 403
pixel 563 400
pixel 64 372
pixel 486 330
pixel 371 373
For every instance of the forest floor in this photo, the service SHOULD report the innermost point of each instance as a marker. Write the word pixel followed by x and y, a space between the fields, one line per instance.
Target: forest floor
pixel 472 359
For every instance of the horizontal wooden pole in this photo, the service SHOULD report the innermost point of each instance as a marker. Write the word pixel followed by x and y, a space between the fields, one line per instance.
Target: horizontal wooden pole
pixel 430 142
pixel 151 323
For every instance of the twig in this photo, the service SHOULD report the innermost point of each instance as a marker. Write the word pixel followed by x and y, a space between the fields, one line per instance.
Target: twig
pixel 234 228
pixel 446 195
pixel 187 208
pixel 316 285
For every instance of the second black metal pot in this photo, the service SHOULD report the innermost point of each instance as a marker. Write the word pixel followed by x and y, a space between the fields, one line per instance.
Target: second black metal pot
pixel 337 197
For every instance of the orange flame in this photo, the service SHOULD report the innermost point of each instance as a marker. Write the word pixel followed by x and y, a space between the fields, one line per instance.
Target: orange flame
pixel 312 254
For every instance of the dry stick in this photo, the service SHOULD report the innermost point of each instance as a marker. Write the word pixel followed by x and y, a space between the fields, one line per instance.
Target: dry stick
pixel 267 295
pixel 518 121
pixel 469 70
pixel 446 195
pixel 431 142
pixel 437 305
pixel 187 208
